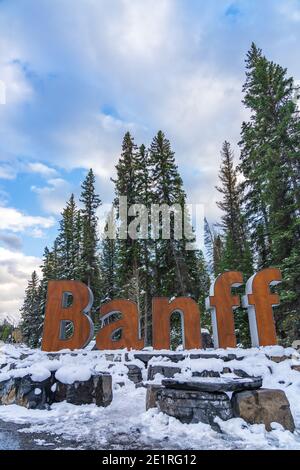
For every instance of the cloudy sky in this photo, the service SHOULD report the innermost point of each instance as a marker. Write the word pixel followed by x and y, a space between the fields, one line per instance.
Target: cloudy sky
pixel 79 73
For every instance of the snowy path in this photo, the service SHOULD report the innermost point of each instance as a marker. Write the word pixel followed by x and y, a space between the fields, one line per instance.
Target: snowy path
pixel 125 425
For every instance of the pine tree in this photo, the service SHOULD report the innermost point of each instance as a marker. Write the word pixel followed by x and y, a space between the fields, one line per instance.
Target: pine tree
pixel 30 312
pixel 125 187
pixel 167 188
pixel 144 275
pixel 90 270
pixel 67 242
pixel 236 254
pixel 108 260
pixel 270 162
pixel 214 249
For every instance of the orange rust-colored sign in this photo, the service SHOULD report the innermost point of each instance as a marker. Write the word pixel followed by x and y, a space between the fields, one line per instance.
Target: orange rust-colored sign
pixel 68 303
pixel 260 302
pixel 189 311
pixel 221 302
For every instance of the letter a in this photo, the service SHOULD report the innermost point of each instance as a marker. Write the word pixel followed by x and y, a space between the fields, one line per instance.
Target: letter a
pixel 128 324
pixel 221 302
pixel 67 301
pixel 259 302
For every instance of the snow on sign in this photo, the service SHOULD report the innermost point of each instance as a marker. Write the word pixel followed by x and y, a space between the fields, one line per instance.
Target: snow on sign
pixel 69 302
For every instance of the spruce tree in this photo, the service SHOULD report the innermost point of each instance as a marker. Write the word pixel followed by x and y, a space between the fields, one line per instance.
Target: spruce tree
pixel 167 188
pixel 108 261
pixel 90 270
pixel 125 187
pixel 67 242
pixel 30 312
pixel 270 162
pixel 236 254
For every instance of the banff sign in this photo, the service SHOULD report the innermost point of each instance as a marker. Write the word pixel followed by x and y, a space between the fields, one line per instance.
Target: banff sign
pixel 71 301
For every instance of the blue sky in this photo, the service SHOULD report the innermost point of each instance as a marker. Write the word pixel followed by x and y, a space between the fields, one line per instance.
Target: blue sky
pixel 79 74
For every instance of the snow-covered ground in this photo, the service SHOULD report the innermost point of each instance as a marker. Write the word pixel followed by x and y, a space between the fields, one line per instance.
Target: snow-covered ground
pixel 125 423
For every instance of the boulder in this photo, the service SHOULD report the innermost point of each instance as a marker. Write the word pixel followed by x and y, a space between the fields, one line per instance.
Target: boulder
pixel 98 390
pixel 222 384
pixel 194 406
pixel 278 359
pixel 134 373
pixel 166 371
pixel 152 395
pixel 23 391
pixel 8 391
pixel 34 395
pixel 295 367
pixel 263 406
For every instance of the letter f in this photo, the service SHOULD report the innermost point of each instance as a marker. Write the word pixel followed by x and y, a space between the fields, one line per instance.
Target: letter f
pixel 260 302
pixel 221 302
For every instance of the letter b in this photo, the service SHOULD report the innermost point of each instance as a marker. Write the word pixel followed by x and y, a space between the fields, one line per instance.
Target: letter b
pixel 67 301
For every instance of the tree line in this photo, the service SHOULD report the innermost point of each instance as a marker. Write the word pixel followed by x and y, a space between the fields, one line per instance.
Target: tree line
pixel 259 226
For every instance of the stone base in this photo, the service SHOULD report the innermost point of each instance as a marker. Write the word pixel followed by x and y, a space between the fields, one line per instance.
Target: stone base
pixel 134 373
pixel 23 391
pixel 166 371
pixel 98 390
pixel 195 407
pixel 152 395
pixel 263 406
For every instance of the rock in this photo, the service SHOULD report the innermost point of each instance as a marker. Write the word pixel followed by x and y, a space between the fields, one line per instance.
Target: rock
pixel 8 391
pixel 296 344
pixel 241 373
pixel 34 395
pixel 141 385
pixel 222 384
pixel 134 373
pixel 152 395
pixel 146 357
pixel 205 373
pixel 263 406
pixel 297 368
pixel 166 371
pixel 195 406
pixel 204 356
pixel 98 390
pixel 278 359
pixel 23 391
pixel 207 341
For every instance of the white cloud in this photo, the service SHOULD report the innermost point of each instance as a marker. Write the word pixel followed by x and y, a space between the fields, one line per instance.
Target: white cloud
pixel 7 172
pixel 42 169
pixel 290 9
pixel 53 196
pixel 15 270
pixel 14 220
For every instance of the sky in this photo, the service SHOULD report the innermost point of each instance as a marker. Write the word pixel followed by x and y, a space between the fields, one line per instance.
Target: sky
pixel 76 75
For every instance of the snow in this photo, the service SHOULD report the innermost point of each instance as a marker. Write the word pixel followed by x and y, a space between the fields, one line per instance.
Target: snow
pixel 125 423
pixel 69 374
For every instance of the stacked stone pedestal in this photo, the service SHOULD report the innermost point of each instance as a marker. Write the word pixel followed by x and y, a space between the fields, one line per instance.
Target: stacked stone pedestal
pixel 204 400
pixel 190 406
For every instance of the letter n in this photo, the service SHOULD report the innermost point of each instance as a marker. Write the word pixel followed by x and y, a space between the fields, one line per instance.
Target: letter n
pixel 162 310
pixel 67 301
